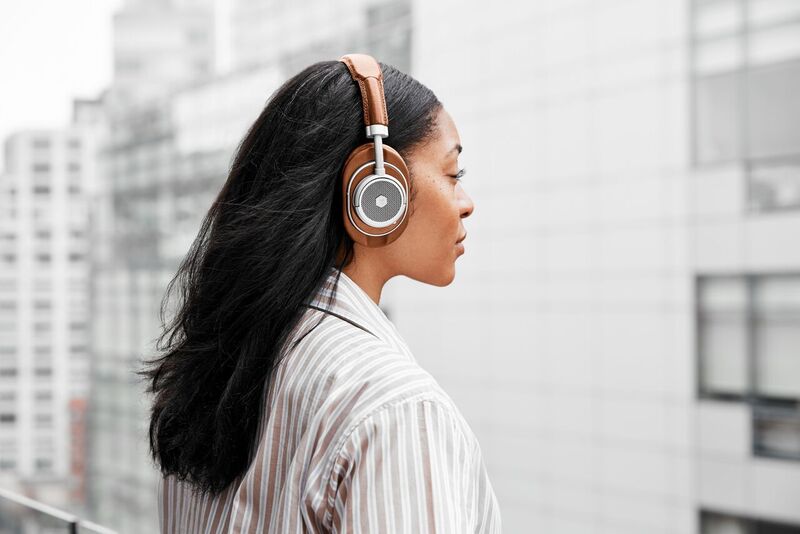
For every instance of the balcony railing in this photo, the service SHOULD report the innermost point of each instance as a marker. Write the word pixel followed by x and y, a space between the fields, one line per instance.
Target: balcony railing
pixel 23 515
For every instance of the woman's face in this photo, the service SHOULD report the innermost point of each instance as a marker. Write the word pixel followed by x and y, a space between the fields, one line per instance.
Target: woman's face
pixel 426 251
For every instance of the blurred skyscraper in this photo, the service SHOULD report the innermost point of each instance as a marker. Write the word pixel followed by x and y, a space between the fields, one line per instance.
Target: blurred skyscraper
pixel 169 148
pixel 160 45
pixel 44 308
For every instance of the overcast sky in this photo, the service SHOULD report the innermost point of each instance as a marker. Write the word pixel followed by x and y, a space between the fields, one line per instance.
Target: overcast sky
pixel 50 52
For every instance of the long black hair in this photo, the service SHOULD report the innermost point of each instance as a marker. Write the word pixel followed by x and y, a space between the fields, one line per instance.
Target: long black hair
pixel 263 249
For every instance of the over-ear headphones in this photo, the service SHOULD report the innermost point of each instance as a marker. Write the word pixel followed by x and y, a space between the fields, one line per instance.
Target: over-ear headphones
pixel 375 184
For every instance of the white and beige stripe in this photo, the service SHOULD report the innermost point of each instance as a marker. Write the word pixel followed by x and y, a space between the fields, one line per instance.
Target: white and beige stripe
pixel 356 437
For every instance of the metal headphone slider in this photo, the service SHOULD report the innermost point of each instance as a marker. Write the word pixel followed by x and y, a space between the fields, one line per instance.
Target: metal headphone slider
pixel 377 132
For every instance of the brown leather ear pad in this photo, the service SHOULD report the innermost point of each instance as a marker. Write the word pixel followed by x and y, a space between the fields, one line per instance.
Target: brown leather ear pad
pixel 358 157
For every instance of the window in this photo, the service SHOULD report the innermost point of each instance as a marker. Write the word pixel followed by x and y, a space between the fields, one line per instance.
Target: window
pixel 44 420
pixel 748 336
pixel 776 336
pixel 44 464
pixel 7 464
pixel 196 36
pixel 774 184
pixel 712 522
pixel 7 418
pixel 776 431
pixel 722 336
pixel 745 57
pixel 716 122
pixel 40 168
pixel 41 326
pixel 748 346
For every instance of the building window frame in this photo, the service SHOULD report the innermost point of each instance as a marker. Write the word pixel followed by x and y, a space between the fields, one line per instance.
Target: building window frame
pixel 764 407
pixel 750 165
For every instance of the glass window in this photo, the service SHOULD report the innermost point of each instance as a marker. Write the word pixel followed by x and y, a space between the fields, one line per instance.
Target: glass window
pixel 717 123
pixel 717 16
pixel 777 336
pixel 746 74
pixel 773 110
pixel 723 335
pixel 723 54
pixel 723 523
pixel 760 12
pixel 44 464
pixel 7 464
pixel 773 44
pixel 776 432
pixel 749 336
pixel 774 184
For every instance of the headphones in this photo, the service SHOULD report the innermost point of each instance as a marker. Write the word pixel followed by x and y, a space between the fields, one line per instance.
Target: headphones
pixel 375 185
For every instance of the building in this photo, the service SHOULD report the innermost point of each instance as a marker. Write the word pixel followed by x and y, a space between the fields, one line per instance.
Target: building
pixel 298 34
pixel 160 45
pixel 744 217
pixel 44 312
pixel 165 157
pixel 623 334
pixel 165 161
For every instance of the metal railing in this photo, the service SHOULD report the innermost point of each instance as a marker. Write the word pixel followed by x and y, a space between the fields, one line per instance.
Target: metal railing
pixel 22 515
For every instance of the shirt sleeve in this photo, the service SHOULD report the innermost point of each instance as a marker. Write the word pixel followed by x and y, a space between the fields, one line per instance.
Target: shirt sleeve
pixel 412 467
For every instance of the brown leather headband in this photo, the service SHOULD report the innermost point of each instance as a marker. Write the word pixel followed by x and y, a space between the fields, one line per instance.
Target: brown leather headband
pixel 367 72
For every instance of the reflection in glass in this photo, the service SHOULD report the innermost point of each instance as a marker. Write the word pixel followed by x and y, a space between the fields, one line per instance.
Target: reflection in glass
pixel 723 336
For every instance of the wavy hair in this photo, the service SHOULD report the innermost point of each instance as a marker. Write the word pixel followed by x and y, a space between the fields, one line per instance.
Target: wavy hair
pixel 264 248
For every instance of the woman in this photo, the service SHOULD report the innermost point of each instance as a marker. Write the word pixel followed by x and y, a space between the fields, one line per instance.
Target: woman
pixel 286 401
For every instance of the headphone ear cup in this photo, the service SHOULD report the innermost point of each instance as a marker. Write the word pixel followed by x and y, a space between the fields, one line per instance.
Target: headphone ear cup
pixel 359 166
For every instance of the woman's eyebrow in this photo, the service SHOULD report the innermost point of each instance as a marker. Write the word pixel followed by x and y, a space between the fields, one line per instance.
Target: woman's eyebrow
pixel 457 147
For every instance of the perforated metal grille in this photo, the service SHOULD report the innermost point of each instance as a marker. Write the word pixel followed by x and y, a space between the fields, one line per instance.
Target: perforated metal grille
pixel 381 201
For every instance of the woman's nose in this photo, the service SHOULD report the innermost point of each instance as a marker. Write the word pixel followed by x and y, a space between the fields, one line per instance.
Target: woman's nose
pixel 467 206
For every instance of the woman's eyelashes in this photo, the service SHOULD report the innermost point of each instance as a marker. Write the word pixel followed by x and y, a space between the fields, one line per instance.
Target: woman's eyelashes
pixel 458 175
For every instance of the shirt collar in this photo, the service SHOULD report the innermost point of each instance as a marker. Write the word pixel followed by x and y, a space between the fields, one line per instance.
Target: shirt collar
pixel 354 305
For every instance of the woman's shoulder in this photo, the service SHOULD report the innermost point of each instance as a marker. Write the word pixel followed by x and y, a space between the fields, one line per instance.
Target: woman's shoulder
pixel 341 367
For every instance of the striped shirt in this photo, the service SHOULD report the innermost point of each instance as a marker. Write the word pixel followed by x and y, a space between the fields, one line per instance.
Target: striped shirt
pixel 355 437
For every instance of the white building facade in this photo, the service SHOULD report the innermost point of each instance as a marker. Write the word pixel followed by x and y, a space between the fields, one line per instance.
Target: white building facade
pixel 44 309
pixel 623 333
